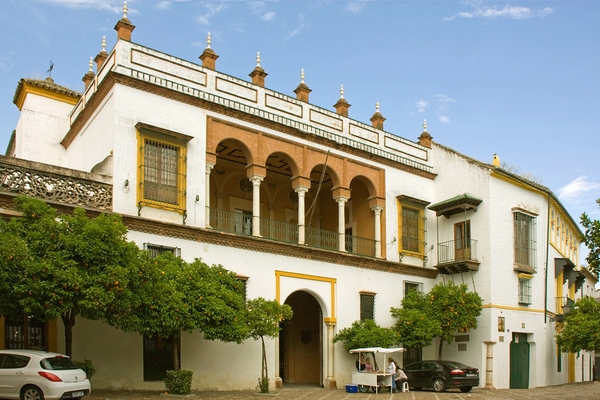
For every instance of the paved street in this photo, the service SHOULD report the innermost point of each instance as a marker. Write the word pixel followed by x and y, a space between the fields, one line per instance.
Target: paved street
pixel 575 391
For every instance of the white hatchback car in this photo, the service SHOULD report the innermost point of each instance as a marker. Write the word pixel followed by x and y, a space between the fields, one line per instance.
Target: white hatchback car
pixel 39 375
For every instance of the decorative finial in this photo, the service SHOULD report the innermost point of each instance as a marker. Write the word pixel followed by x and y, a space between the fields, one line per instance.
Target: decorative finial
pixel 125 9
pixel 302 76
pixel 377 107
pixel 49 72
pixel 341 91
pixel 208 41
pixel 424 125
pixel 91 64
pixel 258 59
pixel 104 43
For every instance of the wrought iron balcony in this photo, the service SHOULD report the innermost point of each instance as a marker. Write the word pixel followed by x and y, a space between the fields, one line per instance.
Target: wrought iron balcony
pixel 455 256
pixel 564 305
pixel 280 231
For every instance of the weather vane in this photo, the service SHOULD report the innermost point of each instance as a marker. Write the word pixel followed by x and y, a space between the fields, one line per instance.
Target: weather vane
pixel 49 72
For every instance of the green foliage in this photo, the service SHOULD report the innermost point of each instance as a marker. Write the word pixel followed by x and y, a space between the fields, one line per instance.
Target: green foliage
pixel 179 382
pixel 366 334
pixel 264 317
pixel 591 238
pixel 581 327
pixel 68 265
pixel 415 326
pixel 445 310
pixel 87 366
pixel 171 295
pixel 263 385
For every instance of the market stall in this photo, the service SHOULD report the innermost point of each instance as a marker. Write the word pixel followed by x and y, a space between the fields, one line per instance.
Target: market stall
pixel 378 378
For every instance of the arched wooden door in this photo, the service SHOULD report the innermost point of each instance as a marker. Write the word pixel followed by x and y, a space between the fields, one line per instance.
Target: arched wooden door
pixel 301 342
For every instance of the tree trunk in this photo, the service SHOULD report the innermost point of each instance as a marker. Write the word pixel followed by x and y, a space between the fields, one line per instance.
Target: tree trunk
pixel 175 347
pixel 69 322
pixel 440 348
pixel 265 370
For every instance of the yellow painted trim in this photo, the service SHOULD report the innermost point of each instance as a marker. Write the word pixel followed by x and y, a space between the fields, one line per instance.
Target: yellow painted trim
pixel 295 275
pixel 525 276
pixel 50 94
pixel 516 182
pixel 571 363
pixel 513 308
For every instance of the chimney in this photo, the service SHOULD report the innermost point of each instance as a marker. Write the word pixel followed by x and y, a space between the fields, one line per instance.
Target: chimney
pixel 208 56
pixel 89 76
pixel 342 106
pixel 258 74
pixel 302 91
pixel 377 119
pixel 124 27
pixel 425 138
pixel 102 56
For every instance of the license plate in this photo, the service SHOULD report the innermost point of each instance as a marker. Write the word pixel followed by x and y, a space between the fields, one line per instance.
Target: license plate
pixel 77 394
pixel 471 375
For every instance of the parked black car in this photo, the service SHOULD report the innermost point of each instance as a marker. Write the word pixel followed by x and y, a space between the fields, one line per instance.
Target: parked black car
pixel 441 375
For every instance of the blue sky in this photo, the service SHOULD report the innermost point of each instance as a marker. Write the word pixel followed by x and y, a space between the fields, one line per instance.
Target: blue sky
pixel 516 78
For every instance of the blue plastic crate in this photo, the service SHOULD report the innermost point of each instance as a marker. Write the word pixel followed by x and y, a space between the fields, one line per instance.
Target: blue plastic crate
pixel 351 388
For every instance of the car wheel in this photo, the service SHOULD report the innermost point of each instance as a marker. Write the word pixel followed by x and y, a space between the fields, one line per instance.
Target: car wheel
pixel 32 393
pixel 363 388
pixel 439 385
pixel 465 389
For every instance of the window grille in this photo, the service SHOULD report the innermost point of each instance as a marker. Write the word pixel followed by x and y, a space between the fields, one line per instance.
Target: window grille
pixel 524 291
pixel 525 239
pixel 160 171
pixel 408 286
pixel 156 250
pixel 367 307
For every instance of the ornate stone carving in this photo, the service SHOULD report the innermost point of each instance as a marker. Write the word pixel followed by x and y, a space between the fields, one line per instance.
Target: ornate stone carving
pixel 58 188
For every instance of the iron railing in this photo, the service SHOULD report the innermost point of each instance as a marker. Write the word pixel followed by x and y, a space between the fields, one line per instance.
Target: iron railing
pixel 360 246
pixel 564 305
pixel 457 250
pixel 322 239
pixel 278 230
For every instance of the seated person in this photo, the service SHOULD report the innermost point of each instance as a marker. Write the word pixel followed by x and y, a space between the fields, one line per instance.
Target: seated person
pixel 400 378
pixel 368 365
pixel 360 363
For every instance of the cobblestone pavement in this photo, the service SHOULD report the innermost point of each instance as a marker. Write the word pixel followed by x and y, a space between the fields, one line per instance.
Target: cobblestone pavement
pixel 574 391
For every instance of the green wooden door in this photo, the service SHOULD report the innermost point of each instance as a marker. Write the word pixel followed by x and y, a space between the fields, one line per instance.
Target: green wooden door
pixel 519 362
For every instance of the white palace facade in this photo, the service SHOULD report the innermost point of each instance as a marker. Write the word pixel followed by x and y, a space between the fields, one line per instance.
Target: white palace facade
pixel 335 217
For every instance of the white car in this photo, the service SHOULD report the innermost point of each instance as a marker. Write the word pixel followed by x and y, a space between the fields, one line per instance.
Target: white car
pixel 39 375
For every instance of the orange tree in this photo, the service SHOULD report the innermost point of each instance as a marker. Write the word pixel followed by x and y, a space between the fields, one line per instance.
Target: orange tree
pixel 69 265
pixel 445 310
pixel 170 295
pixel 581 327
pixel 263 319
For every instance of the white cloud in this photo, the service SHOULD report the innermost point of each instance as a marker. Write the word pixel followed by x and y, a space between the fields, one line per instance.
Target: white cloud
pixel 115 6
pixel 421 105
pixel 444 119
pixel 211 10
pixel 510 12
pixel 163 5
pixel 356 7
pixel 268 16
pixel 577 188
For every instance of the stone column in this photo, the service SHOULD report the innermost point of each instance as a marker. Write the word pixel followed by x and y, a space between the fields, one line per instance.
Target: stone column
pixel 330 381
pixel 209 168
pixel 341 222
pixel 256 180
pixel 301 190
pixel 489 365
pixel 377 210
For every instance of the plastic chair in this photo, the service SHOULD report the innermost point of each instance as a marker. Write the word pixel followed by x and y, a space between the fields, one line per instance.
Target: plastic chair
pixel 405 387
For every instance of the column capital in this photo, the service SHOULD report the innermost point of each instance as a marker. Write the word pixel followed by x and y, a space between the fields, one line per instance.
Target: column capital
pixel 256 179
pixel 301 189
pixel 209 167
pixel 377 209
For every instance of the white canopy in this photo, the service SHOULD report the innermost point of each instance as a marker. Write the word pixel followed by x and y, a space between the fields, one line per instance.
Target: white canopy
pixel 377 350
